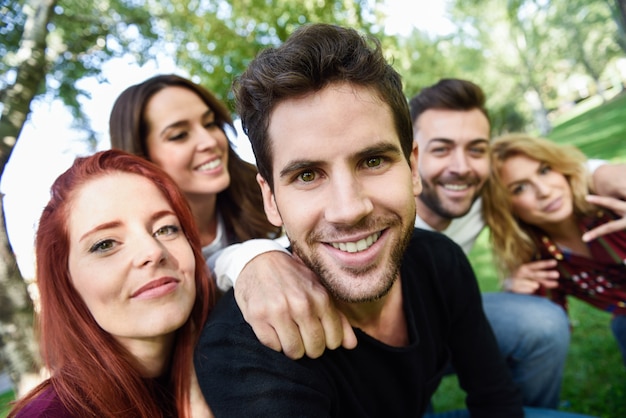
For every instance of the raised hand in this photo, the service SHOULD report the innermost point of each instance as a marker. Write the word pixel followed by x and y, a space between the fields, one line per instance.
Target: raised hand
pixel 617 206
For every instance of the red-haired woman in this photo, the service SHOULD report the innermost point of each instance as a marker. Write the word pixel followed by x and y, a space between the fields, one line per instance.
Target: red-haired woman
pixel 123 292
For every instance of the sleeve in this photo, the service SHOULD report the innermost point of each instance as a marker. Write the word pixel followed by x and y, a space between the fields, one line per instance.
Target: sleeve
pixel 240 377
pixel 593 164
pixel 228 263
pixel 483 374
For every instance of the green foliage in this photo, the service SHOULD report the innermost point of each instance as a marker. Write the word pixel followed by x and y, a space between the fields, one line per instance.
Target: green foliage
pixel 215 42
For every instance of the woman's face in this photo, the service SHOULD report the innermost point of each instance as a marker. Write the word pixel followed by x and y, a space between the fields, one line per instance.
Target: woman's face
pixel 129 259
pixel 540 195
pixel 185 141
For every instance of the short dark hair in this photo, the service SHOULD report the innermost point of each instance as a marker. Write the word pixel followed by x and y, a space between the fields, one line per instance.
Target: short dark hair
pixel 315 56
pixel 448 94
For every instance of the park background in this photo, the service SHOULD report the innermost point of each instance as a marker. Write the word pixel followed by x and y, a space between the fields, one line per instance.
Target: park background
pixel 550 67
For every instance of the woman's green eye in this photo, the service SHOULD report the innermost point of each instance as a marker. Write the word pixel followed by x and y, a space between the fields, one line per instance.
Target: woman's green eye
pixel 101 246
pixel 374 162
pixel 167 230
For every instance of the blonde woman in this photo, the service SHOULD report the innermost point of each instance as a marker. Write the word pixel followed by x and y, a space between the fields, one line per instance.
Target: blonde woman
pixel 538 206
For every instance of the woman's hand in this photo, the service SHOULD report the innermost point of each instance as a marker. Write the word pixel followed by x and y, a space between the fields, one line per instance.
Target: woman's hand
pixel 530 276
pixel 288 308
pixel 617 206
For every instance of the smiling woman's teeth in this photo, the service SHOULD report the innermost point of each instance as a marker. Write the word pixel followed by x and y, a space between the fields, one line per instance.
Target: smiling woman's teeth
pixel 210 165
pixel 360 245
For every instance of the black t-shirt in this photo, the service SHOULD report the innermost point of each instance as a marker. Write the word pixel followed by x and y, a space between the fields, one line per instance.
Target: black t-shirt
pixel 240 377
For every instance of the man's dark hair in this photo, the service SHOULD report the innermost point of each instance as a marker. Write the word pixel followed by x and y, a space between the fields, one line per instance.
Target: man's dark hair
pixel 315 56
pixel 448 94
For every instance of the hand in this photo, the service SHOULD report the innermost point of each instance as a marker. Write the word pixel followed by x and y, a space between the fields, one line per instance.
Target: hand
pixel 615 205
pixel 530 276
pixel 288 308
pixel 610 180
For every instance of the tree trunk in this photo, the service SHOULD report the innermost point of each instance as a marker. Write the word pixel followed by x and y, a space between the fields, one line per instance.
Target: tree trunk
pixel 618 9
pixel 18 349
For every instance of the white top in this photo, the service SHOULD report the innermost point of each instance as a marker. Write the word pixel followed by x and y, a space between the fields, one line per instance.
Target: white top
pixel 463 230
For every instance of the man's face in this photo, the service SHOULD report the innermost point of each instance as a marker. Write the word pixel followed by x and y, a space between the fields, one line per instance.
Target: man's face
pixel 343 189
pixel 453 162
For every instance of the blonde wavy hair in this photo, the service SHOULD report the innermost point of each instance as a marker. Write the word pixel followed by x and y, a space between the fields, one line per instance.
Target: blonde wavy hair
pixel 512 239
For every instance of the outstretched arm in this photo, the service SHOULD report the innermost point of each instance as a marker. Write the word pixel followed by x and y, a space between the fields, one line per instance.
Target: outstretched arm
pixel 610 180
pixel 284 302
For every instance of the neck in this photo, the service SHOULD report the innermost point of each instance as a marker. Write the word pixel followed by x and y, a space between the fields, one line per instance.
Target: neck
pixel 204 209
pixel 567 234
pixel 152 355
pixel 382 319
pixel 436 222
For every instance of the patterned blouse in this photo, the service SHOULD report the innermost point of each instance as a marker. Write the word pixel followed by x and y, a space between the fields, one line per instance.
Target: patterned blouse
pixel 599 280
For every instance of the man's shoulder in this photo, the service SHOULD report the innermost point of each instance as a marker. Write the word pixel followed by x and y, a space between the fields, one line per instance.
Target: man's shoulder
pixel 432 240
pixel 226 311
pixel 433 254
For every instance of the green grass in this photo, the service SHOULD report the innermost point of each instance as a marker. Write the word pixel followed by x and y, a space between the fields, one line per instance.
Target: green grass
pixel 594 381
pixel 600 132
pixel 5 398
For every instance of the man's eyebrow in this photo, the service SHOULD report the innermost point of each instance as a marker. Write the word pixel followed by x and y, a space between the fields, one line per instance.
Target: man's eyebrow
pixel 376 149
pixel 298 165
pixel 452 141
pixel 380 148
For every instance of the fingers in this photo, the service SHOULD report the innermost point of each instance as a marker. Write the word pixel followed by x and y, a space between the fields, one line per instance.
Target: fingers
pixel 606 228
pixel 349 338
pixel 530 276
pixel 288 309
pixel 520 286
pixel 615 205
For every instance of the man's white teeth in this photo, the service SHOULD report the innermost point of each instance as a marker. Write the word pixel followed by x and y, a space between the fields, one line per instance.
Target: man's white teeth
pixel 360 245
pixel 210 165
pixel 455 187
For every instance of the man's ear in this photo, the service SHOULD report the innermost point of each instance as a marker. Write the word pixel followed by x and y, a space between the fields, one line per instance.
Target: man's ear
pixel 269 203
pixel 417 181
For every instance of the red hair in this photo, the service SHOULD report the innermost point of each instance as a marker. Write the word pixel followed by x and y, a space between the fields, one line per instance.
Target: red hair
pixel 91 372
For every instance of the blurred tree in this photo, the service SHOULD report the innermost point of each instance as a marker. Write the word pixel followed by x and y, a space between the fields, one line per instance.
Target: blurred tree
pixel 214 41
pixel 588 36
pixel 534 44
pixel 618 12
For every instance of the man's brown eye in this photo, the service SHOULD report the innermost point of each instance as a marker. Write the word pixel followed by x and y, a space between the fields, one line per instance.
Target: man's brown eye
pixel 307 176
pixel 374 162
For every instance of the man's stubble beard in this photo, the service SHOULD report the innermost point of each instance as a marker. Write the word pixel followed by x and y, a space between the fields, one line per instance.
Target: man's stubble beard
pixel 391 273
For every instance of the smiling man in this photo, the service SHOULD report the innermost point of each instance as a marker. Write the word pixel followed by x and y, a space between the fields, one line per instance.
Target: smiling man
pixel 333 140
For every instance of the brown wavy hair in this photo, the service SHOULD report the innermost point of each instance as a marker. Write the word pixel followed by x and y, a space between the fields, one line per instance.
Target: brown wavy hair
pixel 92 374
pixel 512 239
pixel 241 203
